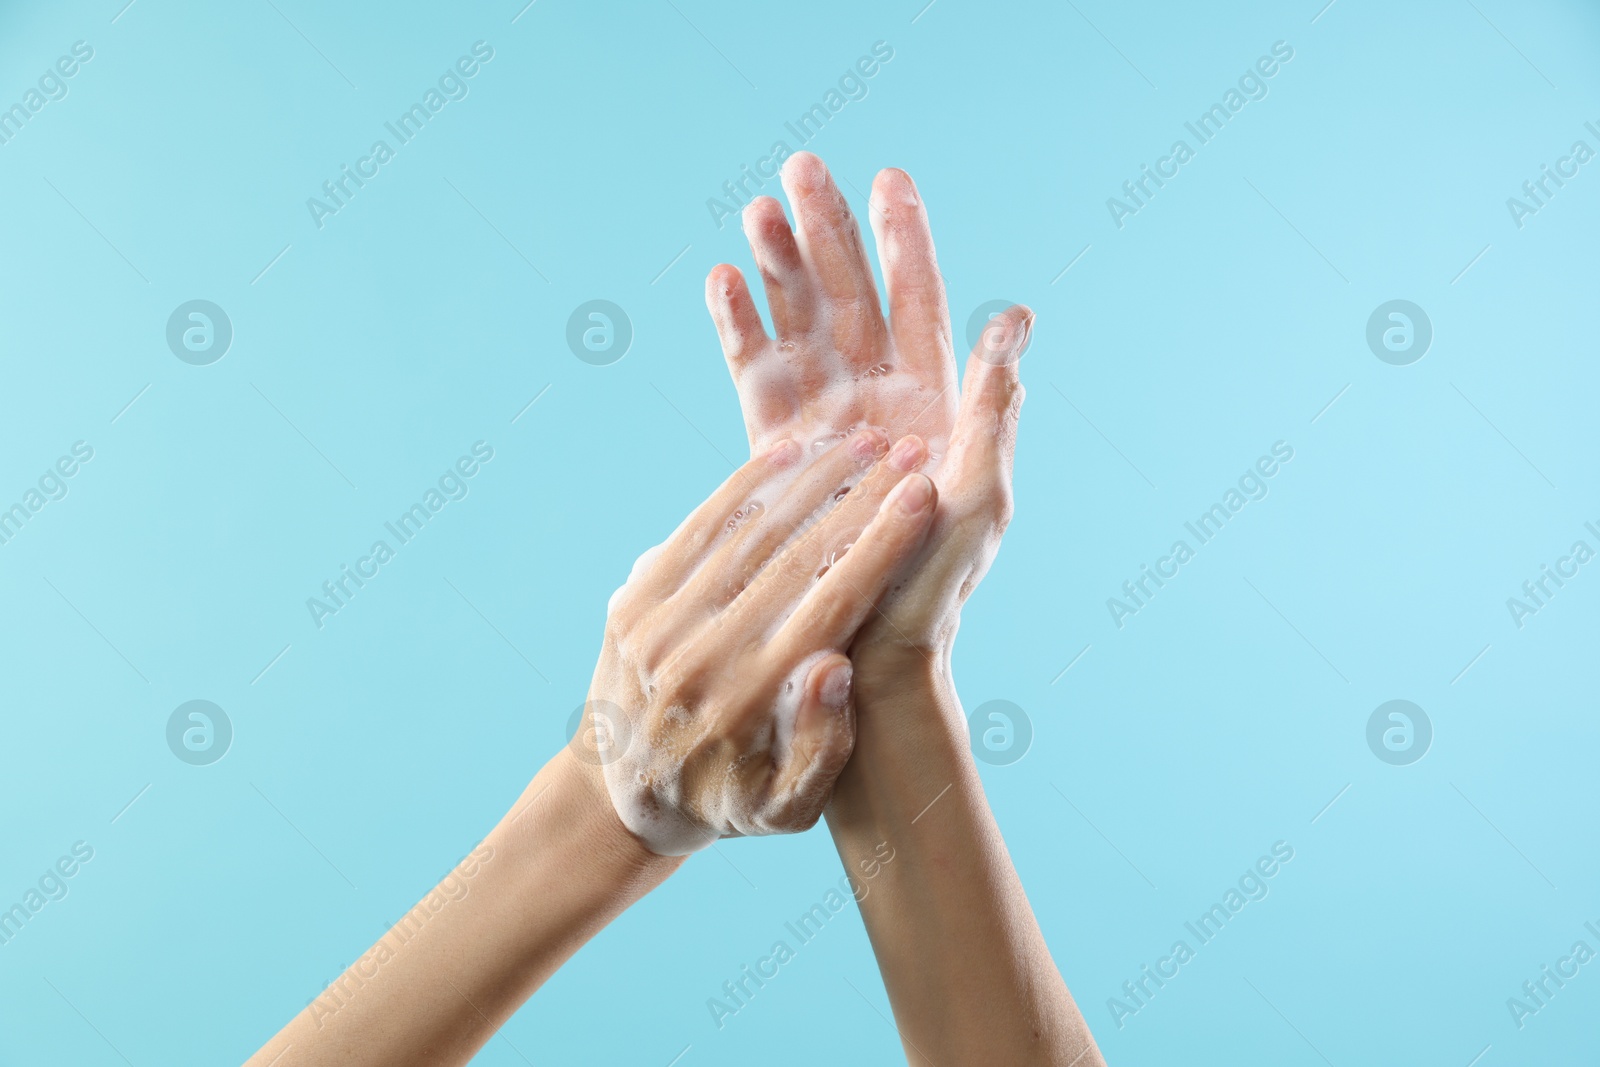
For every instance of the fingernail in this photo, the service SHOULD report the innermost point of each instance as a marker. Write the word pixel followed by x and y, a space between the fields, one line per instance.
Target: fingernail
pixel 783 453
pixel 867 445
pixel 835 688
pixel 912 495
pixel 907 454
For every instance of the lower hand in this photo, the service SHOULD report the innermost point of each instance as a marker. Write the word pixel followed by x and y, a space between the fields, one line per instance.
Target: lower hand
pixel 723 691
pixel 836 363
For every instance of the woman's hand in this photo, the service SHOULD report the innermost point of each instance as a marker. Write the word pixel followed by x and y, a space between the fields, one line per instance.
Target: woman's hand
pixel 837 364
pixel 722 695
pixel 723 701
pixel 985 990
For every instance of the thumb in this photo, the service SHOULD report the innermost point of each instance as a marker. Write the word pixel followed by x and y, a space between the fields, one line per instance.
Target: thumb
pixel 820 746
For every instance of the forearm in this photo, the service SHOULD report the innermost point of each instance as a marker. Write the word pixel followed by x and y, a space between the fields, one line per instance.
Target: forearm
pixel 967 970
pixel 435 988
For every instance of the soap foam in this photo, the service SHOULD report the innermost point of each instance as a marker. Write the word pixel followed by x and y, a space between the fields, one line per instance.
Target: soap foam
pixel 674 785
pixel 659 785
pixel 677 795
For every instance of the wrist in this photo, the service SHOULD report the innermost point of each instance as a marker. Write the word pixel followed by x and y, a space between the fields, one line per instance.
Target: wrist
pixel 911 746
pixel 895 674
pixel 565 820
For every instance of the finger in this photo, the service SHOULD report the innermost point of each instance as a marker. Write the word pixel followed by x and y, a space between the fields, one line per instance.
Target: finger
pixel 822 738
pixel 1006 336
pixel 975 477
pixel 830 240
pixel 737 320
pixel 836 606
pixel 770 399
pixel 781 584
pixel 984 440
pixel 785 511
pixel 676 560
pixel 919 314
pixel 791 296
pixel 767 394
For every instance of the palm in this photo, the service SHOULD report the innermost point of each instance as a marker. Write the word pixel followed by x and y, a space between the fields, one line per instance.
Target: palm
pixel 890 396
pixel 836 363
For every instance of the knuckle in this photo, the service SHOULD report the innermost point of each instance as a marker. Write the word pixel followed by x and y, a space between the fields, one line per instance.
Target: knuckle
pixel 803 818
pixel 989 508
pixel 1003 508
pixel 997 502
pixel 673 686
pixel 620 622
pixel 660 651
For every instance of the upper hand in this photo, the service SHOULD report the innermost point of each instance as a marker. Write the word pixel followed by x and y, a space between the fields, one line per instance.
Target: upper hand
pixel 836 364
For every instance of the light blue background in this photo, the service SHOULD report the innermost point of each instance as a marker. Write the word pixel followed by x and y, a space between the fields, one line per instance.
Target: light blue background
pixel 1221 319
